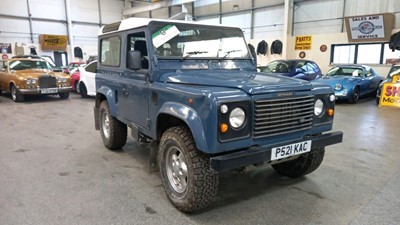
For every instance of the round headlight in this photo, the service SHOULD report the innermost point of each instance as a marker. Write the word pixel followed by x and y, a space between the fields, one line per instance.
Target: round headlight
pixel 224 109
pixel 332 98
pixel 30 81
pixel 318 107
pixel 237 117
pixel 62 80
pixel 338 87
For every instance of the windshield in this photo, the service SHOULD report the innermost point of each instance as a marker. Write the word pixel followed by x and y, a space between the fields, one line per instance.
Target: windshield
pixel 345 71
pixel 279 67
pixel 29 64
pixel 197 41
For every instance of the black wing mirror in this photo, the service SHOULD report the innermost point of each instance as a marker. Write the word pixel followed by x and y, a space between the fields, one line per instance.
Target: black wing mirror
pixel 134 60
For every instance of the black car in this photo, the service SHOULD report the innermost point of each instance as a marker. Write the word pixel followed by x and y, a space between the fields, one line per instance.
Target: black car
pixel 297 68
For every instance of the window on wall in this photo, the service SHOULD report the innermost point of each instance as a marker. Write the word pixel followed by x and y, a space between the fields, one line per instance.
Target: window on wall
pixel 369 53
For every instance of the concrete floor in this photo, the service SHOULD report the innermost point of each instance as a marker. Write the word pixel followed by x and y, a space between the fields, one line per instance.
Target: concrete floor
pixel 55 170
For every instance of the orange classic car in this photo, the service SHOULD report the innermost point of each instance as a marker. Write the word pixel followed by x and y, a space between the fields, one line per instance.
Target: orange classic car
pixel 23 76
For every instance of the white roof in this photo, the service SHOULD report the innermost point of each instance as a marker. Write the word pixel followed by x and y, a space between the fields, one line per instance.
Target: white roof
pixel 135 22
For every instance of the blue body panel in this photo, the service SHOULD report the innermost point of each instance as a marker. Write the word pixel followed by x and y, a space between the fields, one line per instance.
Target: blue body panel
pixel 366 85
pixel 207 89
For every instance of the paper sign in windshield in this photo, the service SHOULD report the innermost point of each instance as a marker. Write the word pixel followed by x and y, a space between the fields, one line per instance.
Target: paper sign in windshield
pixel 164 34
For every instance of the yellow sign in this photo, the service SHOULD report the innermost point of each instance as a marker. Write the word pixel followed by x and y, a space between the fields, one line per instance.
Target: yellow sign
pixel 396 78
pixel 303 43
pixel 390 95
pixel 53 42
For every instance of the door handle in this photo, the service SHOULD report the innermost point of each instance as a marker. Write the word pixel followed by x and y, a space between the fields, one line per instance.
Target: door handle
pixel 125 92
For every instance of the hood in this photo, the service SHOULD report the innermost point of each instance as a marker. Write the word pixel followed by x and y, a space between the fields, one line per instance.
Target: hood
pixel 36 73
pixel 333 80
pixel 248 81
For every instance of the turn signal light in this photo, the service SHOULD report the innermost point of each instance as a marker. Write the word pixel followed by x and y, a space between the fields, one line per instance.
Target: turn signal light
pixel 330 112
pixel 223 127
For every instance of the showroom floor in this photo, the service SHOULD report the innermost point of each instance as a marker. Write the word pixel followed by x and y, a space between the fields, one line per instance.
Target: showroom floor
pixel 55 170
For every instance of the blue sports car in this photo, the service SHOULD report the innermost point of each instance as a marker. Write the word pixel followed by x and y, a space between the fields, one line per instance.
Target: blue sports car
pixel 352 81
pixel 297 68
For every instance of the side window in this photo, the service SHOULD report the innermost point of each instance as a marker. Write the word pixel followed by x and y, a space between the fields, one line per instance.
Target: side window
pixel 369 72
pixel 137 41
pixel 314 67
pixel 300 68
pixel 110 51
pixel 91 67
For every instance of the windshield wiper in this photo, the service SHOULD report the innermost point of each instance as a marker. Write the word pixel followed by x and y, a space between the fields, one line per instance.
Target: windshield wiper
pixel 193 53
pixel 229 52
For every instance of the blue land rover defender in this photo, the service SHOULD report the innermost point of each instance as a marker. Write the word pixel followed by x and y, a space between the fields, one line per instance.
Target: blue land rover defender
pixel 193 92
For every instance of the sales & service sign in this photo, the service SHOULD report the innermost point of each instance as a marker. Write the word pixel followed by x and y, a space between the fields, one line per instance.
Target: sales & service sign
pixel 367 27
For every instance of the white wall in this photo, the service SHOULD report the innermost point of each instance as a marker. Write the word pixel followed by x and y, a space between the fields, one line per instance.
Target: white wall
pixel 49 16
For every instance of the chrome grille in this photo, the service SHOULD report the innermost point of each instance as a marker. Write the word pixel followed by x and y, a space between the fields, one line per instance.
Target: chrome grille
pixel 281 116
pixel 47 82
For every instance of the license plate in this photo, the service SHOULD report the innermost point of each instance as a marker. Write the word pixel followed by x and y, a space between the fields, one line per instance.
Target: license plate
pixel 49 91
pixel 290 150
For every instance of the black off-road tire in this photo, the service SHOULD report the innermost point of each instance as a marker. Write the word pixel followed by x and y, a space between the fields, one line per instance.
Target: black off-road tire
pixel 16 94
pixel 301 166
pixel 355 96
pixel 113 132
pixel 64 95
pixel 83 90
pixel 200 181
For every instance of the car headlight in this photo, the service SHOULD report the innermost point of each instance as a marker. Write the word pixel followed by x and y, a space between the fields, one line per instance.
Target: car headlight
pixel 224 109
pixel 332 98
pixel 30 81
pixel 62 80
pixel 237 117
pixel 338 87
pixel 318 107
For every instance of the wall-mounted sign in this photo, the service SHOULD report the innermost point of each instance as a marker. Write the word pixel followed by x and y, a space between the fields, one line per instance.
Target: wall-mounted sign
pixel 367 28
pixel 4 56
pixel 303 43
pixel 5 48
pixel 396 78
pixel 53 42
pixel 302 54
pixel 323 48
pixel 390 95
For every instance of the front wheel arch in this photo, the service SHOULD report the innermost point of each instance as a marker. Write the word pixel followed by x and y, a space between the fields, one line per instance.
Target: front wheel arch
pixel 17 96
pixel 190 119
pixel 355 94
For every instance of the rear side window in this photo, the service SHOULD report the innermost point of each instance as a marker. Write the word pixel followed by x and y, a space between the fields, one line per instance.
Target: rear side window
pixel 110 51
pixel 91 67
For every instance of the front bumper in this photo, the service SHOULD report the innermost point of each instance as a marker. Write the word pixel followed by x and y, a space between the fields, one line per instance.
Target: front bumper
pixel 261 154
pixel 45 91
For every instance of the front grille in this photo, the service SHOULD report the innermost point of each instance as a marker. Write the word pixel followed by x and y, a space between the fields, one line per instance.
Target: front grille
pixel 47 82
pixel 282 116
